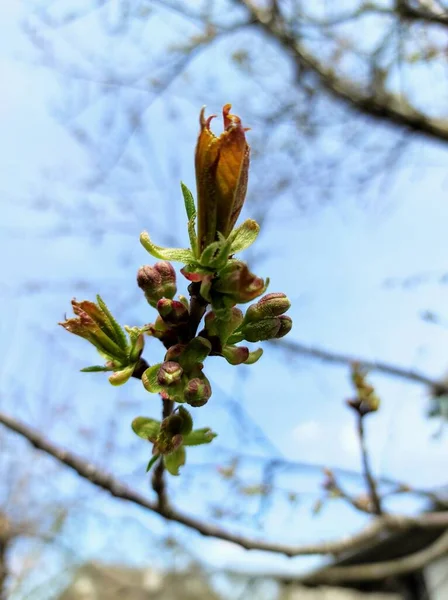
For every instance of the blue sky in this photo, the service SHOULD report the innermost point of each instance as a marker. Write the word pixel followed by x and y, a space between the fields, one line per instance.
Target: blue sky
pixel 333 263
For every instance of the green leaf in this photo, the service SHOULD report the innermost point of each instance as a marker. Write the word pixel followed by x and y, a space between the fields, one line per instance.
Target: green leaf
pixel 191 214
pixel 146 428
pixel 193 237
pixel 175 460
pixel 152 461
pixel 119 335
pixel 120 377
pixel 254 356
pixel 196 351
pixel 149 379
pixel 236 337
pixel 199 437
pixel 183 255
pixel 216 254
pixel 244 236
pixel 136 343
pixel 187 420
pixel 96 369
pixel 189 201
pixel 208 254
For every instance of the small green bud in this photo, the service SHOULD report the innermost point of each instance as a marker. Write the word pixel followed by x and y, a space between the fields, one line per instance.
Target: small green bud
pixel 197 392
pixel 137 348
pixel 196 351
pixel 235 355
pixel 174 352
pixel 157 282
pixel 237 283
pixel 169 373
pixel 163 332
pixel 223 327
pixel 172 312
pixel 266 329
pixel 271 305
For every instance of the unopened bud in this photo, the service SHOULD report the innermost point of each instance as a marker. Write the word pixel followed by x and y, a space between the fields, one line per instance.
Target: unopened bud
pixel 197 392
pixel 172 311
pixel 235 355
pixel 137 348
pixel 174 352
pixel 169 373
pixel 271 305
pixel 238 283
pixel 157 282
pixel 285 326
pixel 265 329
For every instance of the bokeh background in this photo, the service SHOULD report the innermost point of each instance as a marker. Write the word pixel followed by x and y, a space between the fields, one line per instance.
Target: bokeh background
pixel 99 109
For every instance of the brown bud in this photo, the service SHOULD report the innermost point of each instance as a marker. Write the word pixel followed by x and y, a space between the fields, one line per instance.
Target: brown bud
pixel 169 373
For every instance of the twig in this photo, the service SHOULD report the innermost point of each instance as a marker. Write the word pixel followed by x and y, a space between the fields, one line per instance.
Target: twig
pixel 370 365
pixel 158 479
pixel 197 307
pixel 381 570
pixel 116 488
pixel 373 492
pixel 383 108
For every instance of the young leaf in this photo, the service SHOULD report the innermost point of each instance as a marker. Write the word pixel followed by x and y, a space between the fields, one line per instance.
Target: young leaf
pixel 183 255
pixel 96 369
pixel 149 379
pixel 189 201
pixel 175 460
pixel 193 237
pixel 244 236
pixel 196 351
pixel 152 461
pixel 254 356
pixel 119 335
pixel 120 377
pixel 146 428
pixel 187 420
pixel 199 437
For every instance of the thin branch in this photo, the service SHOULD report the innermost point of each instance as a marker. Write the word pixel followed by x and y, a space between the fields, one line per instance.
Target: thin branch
pixel 420 13
pixel 381 570
pixel 370 365
pixel 158 478
pixel 373 493
pixel 116 488
pixel 386 108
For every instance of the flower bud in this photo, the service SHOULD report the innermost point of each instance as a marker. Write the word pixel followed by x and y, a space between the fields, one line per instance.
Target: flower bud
pixel 137 348
pixel 235 355
pixel 95 323
pixel 237 283
pixel 271 305
pixel 222 166
pixel 169 373
pixel 197 392
pixel 223 328
pixel 266 329
pixel 172 311
pixel 174 352
pixel 195 352
pixel 285 326
pixel 157 282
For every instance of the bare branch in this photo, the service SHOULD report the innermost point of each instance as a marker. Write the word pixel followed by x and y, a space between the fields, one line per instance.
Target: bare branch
pixel 383 107
pixel 381 570
pixel 118 489
pixel 373 493
pixel 370 365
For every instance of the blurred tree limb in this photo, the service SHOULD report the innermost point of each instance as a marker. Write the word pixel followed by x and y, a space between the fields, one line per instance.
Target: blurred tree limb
pixel 107 482
pixel 375 102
